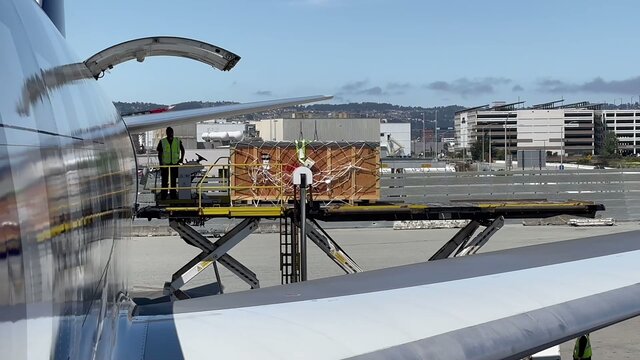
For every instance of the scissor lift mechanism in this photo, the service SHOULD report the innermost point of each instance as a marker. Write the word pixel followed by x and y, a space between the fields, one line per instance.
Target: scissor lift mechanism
pixel 460 240
pixel 212 252
pixel 294 221
pixel 460 244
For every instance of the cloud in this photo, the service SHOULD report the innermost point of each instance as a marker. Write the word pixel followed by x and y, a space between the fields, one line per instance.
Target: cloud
pixel 364 87
pixel 468 87
pixel 550 82
pixel 361 87
pixel 556 86
pixel 264 93
pixel 398 88
pixel 517 88
pixel 629 86
pixel 354 86
pixel 376 90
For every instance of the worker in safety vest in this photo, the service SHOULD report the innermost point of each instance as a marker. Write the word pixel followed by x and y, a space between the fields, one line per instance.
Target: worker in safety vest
pixel 582 349
pixel 170 152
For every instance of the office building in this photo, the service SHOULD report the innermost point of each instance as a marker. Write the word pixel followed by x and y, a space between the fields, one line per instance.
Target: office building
pixel 626 125
pixel 568 130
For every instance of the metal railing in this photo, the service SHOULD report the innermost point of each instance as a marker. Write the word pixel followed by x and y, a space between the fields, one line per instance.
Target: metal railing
pixel 617 189
pixel 253 179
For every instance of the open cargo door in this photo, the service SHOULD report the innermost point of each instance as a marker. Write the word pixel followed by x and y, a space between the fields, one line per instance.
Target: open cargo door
pixel 142 48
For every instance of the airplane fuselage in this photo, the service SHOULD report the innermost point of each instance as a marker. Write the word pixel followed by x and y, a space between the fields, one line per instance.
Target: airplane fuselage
pixel 67 170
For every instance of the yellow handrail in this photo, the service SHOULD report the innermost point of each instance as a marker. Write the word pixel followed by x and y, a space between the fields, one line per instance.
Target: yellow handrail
pixel 274 169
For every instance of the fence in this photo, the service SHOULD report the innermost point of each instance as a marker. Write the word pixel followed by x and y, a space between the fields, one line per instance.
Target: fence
pixel 617 189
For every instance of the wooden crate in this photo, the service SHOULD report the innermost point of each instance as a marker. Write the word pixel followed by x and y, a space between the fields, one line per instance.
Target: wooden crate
pixel 341 171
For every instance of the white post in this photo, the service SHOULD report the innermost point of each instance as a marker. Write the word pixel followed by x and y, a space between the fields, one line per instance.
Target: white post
pixel 303 177
pixel 303 227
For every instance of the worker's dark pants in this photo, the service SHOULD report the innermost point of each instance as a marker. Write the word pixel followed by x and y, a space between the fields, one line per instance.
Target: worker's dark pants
pixel 164 172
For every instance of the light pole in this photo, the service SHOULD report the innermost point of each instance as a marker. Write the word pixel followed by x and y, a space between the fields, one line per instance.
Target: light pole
pixel 424 142
pixel 436 131
pixel 483 145
pixel 505 142
pixel 543 155
pixel 489 148
pixel 424 145
pixel 561 144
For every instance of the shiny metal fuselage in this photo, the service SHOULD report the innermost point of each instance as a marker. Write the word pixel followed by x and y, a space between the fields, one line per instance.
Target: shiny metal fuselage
pixel 67 191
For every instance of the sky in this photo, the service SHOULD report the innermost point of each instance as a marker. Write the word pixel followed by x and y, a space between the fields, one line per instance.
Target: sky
pixel 405 52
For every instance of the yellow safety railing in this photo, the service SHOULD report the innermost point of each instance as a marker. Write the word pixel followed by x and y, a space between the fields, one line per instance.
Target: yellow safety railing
pixel 270 173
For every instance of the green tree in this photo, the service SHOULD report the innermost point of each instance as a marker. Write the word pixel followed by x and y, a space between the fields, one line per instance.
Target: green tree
pixel 477 149
pixel 611 145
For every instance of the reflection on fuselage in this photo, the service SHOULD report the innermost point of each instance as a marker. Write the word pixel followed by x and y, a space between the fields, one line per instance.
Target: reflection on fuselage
pixel 67 188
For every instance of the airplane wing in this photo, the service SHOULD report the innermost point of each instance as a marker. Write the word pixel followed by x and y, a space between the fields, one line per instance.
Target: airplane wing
pixel 500 305
pixel 141 123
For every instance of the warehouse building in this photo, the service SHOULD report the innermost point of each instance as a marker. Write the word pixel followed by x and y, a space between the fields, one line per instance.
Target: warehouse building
pixel 331 129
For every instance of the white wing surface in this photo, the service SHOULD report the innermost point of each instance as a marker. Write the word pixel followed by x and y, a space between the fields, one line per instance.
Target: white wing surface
pixel 500 305
pixel 141 123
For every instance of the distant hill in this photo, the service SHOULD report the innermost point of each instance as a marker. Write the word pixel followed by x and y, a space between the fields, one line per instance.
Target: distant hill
pixel 444 112
pixel 132 107
pixel 390 112
pixel 371 106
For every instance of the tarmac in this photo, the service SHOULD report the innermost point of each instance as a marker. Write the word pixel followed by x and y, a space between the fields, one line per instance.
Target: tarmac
pixel 154 259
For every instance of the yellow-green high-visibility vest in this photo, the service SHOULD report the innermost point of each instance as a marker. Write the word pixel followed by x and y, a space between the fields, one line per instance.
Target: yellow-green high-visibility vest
pixel 301 149
pixel 587 349
pixel 170 152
